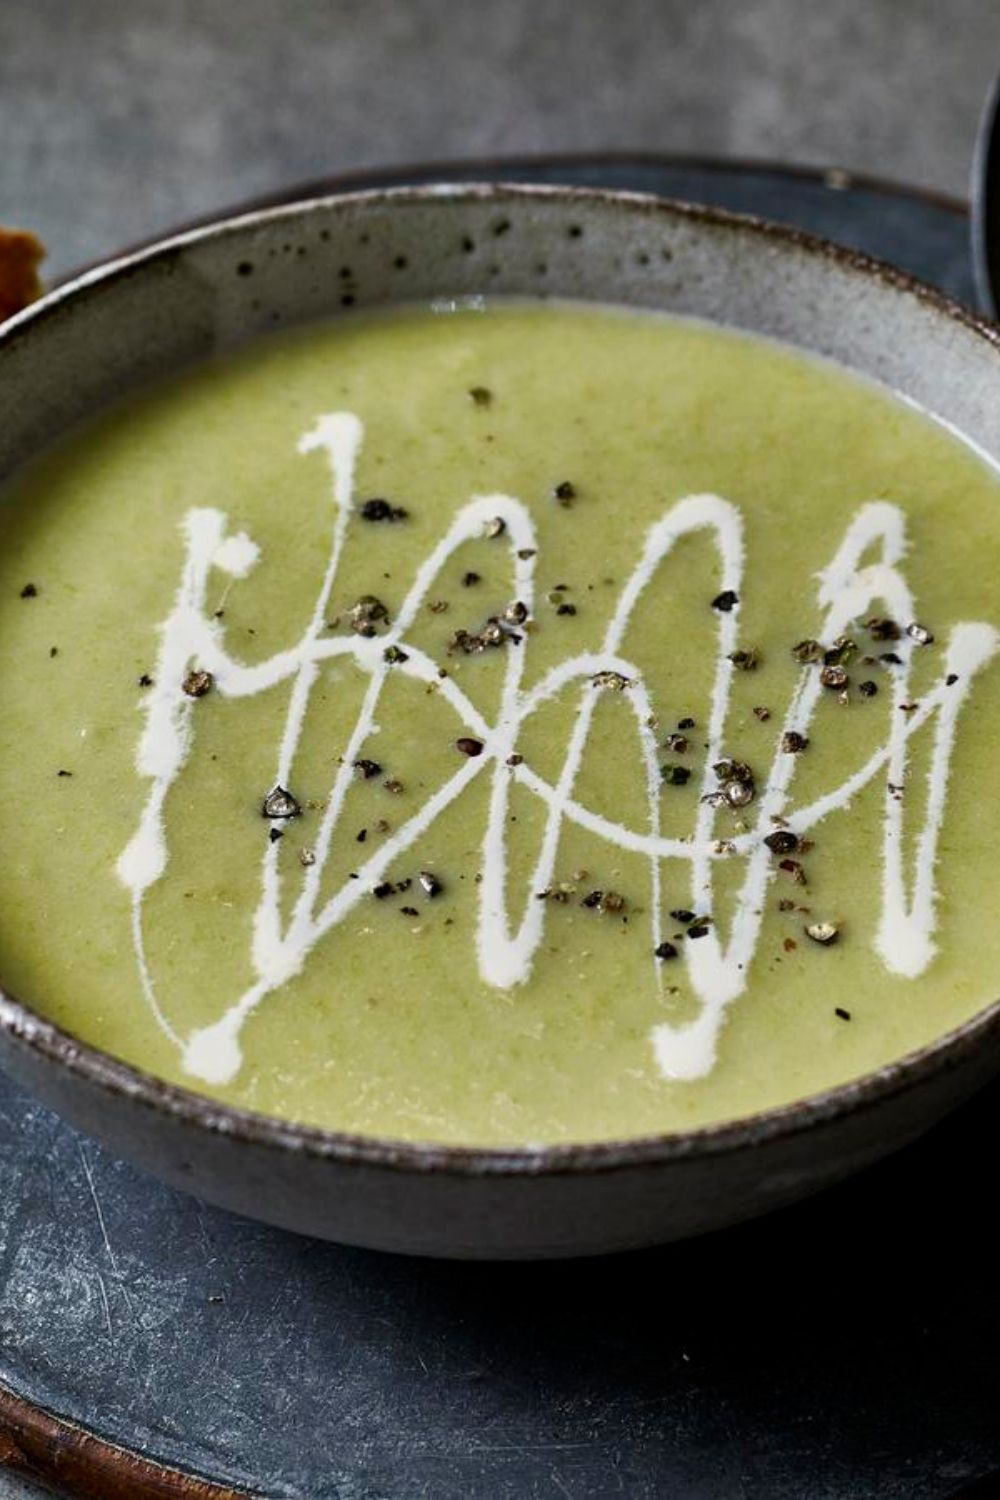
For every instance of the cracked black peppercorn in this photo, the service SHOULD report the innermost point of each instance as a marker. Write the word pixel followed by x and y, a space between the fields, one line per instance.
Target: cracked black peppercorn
pixel 279 803
pixel 782 842
pixel 379 509
pixel 807 651
pixel 675 775
pixel 197 683
pixel 368 768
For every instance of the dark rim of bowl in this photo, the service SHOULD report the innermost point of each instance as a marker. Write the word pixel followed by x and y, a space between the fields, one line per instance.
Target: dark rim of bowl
pixel 506 170
pixel 50 1044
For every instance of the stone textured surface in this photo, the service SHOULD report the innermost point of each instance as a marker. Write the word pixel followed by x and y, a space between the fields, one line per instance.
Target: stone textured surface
pixel 117 119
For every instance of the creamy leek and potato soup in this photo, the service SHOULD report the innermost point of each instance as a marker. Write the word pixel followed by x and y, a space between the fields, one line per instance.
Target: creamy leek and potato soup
pixel 511 724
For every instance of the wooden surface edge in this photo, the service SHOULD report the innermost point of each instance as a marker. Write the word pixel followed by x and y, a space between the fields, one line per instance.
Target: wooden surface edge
pixel 72 1461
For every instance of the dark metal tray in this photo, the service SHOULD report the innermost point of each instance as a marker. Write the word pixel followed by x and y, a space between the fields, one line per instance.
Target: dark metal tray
pixel 844 1348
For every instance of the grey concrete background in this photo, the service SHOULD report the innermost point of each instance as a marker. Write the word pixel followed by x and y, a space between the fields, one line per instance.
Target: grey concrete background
pixel 122 117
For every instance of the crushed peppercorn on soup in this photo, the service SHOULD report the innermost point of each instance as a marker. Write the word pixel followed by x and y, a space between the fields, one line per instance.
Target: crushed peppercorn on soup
pixel 529 723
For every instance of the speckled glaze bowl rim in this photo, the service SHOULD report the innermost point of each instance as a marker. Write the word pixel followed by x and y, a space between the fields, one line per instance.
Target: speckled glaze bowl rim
pixel 51 1044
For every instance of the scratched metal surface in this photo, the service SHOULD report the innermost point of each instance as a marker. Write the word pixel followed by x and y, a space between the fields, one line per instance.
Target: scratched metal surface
pixel 13 1488
pixel 841 1349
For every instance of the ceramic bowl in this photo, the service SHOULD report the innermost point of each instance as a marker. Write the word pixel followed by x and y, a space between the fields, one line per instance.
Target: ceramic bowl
pixel 177 302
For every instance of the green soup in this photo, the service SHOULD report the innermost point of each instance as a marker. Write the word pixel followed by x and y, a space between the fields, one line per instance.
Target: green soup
pixel 534 724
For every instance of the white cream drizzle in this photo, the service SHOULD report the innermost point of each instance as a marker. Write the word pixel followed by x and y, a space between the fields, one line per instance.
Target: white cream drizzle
pixel 718 966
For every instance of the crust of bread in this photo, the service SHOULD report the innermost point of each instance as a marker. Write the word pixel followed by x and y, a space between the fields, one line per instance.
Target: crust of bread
pixel 21 253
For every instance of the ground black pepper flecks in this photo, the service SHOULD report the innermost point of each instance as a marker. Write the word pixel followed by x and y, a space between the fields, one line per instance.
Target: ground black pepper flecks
pixel 881 629
pixel 835 678
pixel 613 680
pixel 367 613
pixel 197 683
pixel 368 768
pixel 380 509
pixel 675 775
pixel 807 651
pixel 279 803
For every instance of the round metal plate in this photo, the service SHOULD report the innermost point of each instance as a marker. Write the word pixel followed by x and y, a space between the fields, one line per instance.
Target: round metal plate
pixel 840 1348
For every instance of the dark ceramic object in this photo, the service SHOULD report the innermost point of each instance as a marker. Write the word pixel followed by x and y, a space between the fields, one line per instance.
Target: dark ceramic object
pixel 170 305
pixel 985 195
